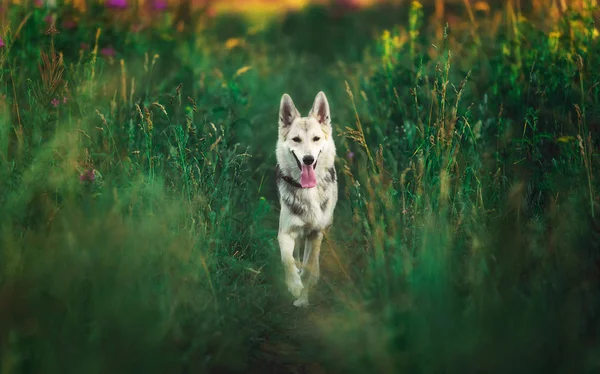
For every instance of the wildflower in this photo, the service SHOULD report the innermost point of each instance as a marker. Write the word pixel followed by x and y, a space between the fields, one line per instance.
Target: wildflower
pixel 2 44
pixel 398 41
pixel 242 70
pixel 233 42
pixel 350 155
pixel 416 5
pixel 88 175
pixel 386 35
pixel 69 24
pixel 160 4
pixel 108 52
pixel 349 4
pixel 55 102
pixel 211 12
pixel 116 4
pixel 565 139
pixel 49 18
pixel 553 40
pixel 482 6
pixel 64 99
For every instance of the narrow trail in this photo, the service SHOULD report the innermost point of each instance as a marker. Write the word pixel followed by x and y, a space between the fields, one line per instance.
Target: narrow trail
pixel 289 350
pixel 300 348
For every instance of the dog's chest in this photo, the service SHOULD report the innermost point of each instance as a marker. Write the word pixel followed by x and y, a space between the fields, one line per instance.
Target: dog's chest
pixel 307 208
pixel 316 202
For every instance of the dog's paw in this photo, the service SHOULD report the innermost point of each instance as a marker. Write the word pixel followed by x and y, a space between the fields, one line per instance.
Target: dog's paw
pixel 294 284
pixel 301 302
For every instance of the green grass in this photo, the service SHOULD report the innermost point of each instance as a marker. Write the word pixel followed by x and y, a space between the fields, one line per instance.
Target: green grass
pixel 466 235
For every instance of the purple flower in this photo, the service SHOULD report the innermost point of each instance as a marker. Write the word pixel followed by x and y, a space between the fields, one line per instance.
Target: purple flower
pixel 349 4
pixel 2 44
pixel 69 24
pixel 350 155
pixel 116 4
pixel 88 176
pixel 49 18
pixel 55 102
pixel 108 52
pixel 160 4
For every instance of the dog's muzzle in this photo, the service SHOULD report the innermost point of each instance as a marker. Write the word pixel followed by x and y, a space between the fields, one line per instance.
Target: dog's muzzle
pixel 297 160
pixel 305 159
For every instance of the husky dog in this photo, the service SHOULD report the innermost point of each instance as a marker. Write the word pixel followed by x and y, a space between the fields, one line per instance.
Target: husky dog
pixel 307 189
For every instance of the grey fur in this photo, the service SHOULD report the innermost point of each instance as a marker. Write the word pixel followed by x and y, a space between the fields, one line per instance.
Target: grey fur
pixel 324 204
pixel 331 177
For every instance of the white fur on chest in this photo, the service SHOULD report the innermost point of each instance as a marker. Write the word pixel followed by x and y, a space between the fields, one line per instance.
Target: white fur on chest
pixel 314 217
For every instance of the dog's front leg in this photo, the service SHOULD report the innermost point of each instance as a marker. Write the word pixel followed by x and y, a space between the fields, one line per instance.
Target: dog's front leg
pixel 292 278
pixel 311 265
pixel 314 240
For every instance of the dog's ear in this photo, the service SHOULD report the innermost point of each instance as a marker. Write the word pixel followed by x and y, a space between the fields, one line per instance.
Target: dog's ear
pixel 287 111
pixel 320 109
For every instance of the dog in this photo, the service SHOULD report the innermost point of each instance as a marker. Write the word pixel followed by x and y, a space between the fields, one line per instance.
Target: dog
pixel 307 190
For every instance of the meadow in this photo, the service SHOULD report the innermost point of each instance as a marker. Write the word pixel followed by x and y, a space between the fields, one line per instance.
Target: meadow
pixel 138 208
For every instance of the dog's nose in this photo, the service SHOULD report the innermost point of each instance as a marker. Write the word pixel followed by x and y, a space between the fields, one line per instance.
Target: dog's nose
pixel 308 160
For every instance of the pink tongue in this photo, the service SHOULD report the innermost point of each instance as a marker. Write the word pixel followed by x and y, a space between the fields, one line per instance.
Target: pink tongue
pixel 308 179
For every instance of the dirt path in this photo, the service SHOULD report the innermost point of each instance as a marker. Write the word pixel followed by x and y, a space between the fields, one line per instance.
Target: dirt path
pixel 299 348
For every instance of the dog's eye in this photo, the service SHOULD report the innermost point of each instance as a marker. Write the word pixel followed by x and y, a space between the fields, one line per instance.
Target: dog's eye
pixel 297 139
pixel 316 139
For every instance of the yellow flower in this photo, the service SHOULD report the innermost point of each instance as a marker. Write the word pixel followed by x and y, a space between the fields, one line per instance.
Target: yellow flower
pixel 386 35
pixel 553 40
pixel 398 42
pixel 242 70
pixel 577 25
pixel 555 35
pixel 416 5
pixel 565 139
pixel 233 42
pixel 482 6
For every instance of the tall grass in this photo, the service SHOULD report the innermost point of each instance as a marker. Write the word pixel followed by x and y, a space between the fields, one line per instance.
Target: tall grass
pixel 139 212
pixel 475 234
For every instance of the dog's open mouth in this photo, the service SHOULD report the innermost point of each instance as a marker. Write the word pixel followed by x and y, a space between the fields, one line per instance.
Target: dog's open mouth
pixel 308 177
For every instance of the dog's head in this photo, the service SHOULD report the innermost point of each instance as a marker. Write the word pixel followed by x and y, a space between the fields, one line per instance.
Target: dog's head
pixel 305 143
